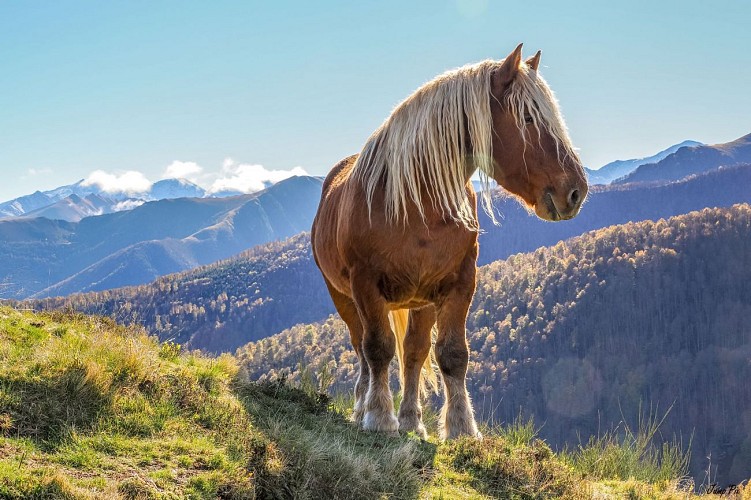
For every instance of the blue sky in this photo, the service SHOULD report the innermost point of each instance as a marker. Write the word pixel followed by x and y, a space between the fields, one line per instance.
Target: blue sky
pixel 135 86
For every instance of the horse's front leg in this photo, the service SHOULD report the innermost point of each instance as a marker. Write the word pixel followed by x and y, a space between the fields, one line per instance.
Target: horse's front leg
pixel 416 350
pixel 452 354
pixel 378 348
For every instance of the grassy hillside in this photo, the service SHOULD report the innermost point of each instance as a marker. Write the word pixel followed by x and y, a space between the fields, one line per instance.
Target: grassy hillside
pixel 89 409
pixel 597 331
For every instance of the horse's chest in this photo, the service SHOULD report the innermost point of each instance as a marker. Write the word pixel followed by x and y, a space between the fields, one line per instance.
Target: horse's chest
pixel 420 270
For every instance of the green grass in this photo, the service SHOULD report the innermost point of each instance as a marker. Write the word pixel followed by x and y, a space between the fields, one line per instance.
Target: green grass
pixel 624 453
pixel 90 409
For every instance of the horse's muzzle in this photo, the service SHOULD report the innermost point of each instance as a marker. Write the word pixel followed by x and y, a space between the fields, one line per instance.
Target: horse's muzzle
pixel 567 208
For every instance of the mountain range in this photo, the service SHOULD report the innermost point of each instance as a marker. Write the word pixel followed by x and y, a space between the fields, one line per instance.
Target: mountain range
pixel 56 249
pixel 43 257
pixel 692 160
pixel 262 291
pixel 76 201
pixel 619 168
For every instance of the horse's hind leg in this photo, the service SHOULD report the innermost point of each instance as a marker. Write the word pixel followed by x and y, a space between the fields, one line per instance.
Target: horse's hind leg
pixel 348 312
pixel 452 354
pixel 379 347
pixel 416 350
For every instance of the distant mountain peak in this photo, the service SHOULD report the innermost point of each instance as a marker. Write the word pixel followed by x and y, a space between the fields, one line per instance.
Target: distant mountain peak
pixel 79 193
pixel 689 143
pixel 175 188
pixel 692 160
pixel 176 181
pixel 619 168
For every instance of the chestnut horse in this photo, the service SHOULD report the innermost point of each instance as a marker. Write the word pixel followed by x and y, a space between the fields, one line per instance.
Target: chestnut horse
pixel 396 229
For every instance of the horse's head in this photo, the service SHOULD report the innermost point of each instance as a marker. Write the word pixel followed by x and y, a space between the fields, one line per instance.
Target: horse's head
pixel 532 153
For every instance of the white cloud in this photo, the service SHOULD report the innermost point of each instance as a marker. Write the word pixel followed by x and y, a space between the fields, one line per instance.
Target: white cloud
pixel 130 182
pixel 247 178
pixel 182 170
pixel 127 205
pixel 232 176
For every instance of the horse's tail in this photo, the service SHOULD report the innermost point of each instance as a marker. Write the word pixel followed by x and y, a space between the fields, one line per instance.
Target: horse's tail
pixel 399 319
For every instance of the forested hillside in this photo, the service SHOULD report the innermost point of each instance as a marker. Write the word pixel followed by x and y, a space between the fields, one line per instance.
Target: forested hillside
pixel 584 334
pixel 614 204
pixel 223 305
pixel 263 291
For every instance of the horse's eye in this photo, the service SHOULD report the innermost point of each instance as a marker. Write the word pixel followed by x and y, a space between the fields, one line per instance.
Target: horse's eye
pixel 528 119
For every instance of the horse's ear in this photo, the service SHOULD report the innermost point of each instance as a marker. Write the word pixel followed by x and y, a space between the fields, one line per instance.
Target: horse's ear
pixel 505 74
pixel 534 61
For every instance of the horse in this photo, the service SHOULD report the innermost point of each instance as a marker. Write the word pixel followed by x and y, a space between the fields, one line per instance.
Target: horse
pixel 395 234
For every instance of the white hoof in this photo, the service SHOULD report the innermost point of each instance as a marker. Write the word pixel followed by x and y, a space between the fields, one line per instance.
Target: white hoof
pixel 383 422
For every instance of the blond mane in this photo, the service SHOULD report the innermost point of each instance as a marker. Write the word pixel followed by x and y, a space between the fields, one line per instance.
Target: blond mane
pixel 420 147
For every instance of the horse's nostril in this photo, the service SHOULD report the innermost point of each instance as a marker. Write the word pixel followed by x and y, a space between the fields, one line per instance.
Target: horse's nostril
pixel 573 197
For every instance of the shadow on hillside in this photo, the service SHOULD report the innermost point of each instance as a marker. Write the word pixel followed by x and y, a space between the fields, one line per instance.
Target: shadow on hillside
pixel 324 452
pixel 46 408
